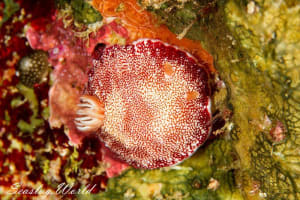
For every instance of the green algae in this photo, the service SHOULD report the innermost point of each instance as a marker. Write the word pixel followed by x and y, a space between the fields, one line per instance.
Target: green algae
pixel 10 8
pixel 35 121
pixel 82 11
pixel 189 180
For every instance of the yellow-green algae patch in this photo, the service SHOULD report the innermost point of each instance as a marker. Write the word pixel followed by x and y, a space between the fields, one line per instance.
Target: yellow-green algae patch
pixel 190 180
pixel 269 32
pixel 255 45
pixel 34 120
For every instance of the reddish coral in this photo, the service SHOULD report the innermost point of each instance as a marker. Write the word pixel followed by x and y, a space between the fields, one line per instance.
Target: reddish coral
pixel 156 99
pixel 71 58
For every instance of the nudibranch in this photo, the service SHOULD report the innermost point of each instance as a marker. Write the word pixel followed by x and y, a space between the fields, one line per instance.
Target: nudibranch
pixel 148 101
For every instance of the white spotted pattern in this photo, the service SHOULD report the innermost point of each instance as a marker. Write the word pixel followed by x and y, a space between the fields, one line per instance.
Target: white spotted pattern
pixel 149 122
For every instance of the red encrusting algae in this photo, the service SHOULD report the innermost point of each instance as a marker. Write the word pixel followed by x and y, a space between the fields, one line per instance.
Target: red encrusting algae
pixel 71 58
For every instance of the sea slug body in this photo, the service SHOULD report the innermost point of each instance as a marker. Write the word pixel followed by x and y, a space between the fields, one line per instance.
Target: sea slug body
pixel 148 101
